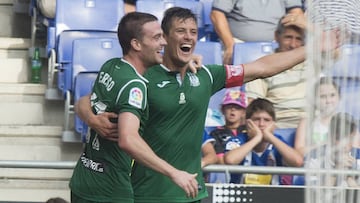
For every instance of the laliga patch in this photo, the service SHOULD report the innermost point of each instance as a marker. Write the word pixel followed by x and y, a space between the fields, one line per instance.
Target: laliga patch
pixel 136 97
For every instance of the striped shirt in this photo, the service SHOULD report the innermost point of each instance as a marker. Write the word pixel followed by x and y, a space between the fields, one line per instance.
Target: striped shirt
pixel 286 91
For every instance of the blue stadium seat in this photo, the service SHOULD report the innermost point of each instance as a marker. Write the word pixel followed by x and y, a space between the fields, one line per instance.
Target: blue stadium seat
pixel 250 51
pixel 83 85
pixel 65 55
pixel 88 55
pixel 87 15
pixel 87 18
pixel 298 180
pixel 211 52
pixel 348 63
pixel 350 88
pixel 209 32
pixel 158 7
pixel 288 134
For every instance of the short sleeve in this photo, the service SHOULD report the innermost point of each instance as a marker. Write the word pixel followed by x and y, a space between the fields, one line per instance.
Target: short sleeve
pixel 132 98
pixel 256 89
pixel 293 4
pixel 224 6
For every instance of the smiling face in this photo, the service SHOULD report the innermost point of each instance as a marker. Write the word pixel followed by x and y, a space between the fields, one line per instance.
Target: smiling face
pixel 181 39
pixel 328 99
pixel 152 43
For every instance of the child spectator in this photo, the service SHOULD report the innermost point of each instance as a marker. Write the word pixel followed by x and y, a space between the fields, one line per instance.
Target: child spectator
pixel 336 152
pixel 328 97
pixel 233 108
pixel 259 146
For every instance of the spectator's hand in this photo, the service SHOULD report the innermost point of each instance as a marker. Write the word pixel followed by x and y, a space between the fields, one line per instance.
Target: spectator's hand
pixel 330 40
pixel 253 130
pixel 228 55
pixel 187 182
pixel 348 160
pixel 298 20
pixel 195 63
pixel 269 131
pixel 103 126
pixel 351 181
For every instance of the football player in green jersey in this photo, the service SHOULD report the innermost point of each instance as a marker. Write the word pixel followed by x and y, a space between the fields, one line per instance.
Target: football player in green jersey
pixel 178 101
pixel 102 173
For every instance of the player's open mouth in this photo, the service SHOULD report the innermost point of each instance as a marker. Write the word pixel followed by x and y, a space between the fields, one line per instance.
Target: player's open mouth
pixel 185 47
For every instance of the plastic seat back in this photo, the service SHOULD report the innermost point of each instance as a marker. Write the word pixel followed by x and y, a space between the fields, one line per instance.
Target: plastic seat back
pixel 348 62
pixel 288 134
pixel 210 51
pixel 65 54
pixel 250 51
pixel 158 7
pixel 91 53
pixel 87 15
pixel 83 86
pixel 88 57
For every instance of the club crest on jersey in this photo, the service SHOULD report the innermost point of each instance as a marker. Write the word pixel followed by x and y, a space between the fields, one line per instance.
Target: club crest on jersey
pixel 234 70
pixel 182 99
pixel 232 145
pixel 194 80
pixel 136 97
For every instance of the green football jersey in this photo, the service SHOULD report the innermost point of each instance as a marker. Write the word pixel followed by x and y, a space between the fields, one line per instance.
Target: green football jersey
pixel 175 128
pixel 102 173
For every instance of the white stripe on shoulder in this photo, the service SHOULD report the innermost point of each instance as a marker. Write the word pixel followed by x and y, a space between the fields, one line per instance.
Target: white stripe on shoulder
pixel 127 84
pixel 137 73
pixel 209 73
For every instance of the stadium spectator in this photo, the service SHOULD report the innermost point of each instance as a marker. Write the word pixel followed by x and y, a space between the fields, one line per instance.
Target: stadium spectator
pixel 330 14
pixel 327 95
pixel 129 6
pixel 102 171
pixel 176 114
pixel 259 146
pixel 47 7
pixel 285 90
pixel 256 20
pixel 233 108
pixel 344 136
pixel 335 153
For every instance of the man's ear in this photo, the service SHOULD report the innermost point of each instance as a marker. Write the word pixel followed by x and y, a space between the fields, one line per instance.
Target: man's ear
pixel 135 44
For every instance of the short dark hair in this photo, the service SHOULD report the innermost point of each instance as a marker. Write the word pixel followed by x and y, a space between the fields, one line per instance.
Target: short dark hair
pixel 342 124
pixel 260 104
pixel 173 13
pixel 131 26
pixel 56 200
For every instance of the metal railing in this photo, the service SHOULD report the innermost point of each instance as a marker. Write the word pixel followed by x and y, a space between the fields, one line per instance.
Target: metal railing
pixel 210 168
